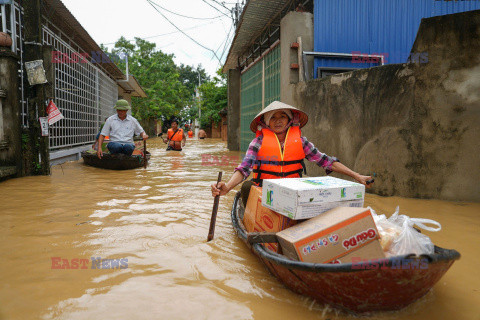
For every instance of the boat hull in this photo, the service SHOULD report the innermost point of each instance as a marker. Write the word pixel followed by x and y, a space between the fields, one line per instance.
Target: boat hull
pixel 389 284
pixel 114 162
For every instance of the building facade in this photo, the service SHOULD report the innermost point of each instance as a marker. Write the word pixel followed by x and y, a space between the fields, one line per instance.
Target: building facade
pixel 83 81
pixel 271 50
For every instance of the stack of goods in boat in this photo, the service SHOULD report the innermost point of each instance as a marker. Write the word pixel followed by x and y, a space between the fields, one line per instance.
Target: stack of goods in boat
pixel 258 218
pixel 322 220
pixel 340 235
pixel 304 198
pixel 138 147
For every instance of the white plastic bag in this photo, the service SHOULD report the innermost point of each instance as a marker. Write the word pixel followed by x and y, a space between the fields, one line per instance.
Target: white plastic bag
pixel 398 237
pixel 387 230
pixel 409 239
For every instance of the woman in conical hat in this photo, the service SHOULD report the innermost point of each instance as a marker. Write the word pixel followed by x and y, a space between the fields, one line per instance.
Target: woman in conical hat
pixel 278 151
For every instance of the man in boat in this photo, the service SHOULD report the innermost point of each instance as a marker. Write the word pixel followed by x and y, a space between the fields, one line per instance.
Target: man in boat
pixel 278 151
pixel 121 128
pixel 175 137
pixel 95 145
pixel 202 134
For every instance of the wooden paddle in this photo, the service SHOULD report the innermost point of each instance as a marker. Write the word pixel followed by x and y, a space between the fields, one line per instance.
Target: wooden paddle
pixel 214 211
pixel 145 154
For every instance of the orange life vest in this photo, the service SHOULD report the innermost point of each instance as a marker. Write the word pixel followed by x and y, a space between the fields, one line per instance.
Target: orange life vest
pixel 190 134
pixel 272 163
pixel 176 138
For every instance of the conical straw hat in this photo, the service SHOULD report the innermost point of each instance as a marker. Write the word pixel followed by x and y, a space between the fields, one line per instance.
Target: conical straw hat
pixel 277 105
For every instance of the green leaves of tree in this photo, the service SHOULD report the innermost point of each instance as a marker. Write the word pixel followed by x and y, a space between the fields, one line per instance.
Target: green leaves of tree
pixel 170 88
pixel 214 99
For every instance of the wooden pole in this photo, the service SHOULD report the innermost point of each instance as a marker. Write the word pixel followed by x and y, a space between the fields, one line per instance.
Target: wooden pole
pixel 145 154
pixel 214 211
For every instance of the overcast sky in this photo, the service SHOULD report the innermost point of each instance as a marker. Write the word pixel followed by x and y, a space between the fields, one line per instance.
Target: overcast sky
pixel 107 20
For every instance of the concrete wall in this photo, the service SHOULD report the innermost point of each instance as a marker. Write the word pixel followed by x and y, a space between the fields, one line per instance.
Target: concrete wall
pixel 10 140
pixel 293 26
pixel 416 126
pixel 224 131
pixel 233 110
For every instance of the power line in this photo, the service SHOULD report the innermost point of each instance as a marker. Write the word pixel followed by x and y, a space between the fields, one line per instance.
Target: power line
pixel 181 15
pixel 165 34
pixel 216 9
pixel 225 46
pixel 227 34
pixel 221 4
pixel 226 41
pixel 149 1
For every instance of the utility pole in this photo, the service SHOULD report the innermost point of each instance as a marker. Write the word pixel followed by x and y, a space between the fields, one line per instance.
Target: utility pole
pixel 198 96
pixel 36 95
pixel 199 104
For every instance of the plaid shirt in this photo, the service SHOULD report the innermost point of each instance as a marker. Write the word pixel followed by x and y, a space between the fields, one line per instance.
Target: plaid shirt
pixel 311 154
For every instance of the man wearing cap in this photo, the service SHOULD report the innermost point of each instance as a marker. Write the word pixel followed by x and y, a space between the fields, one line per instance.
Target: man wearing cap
pixel 278 151
pixel 121 128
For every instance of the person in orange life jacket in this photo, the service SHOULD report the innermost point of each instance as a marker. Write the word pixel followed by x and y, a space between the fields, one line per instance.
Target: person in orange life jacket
pixel 175 137
pixel 278 151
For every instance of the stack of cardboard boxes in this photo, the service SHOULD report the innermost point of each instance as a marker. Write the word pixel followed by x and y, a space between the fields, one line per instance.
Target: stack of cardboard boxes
pixel 258 218
pixel 338 229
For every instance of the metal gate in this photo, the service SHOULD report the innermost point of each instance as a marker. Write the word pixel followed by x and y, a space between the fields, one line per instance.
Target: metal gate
pixel 83 93
pixel 272 76
pixel 260 85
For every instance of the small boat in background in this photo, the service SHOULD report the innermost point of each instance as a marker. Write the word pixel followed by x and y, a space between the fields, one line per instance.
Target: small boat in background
pixel 390 284
pixel 114 161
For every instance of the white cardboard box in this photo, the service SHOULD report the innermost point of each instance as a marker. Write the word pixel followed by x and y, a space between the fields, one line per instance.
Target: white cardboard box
pixel 303 198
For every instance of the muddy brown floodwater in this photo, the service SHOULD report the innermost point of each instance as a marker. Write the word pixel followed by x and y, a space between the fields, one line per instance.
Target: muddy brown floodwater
pixel 157 220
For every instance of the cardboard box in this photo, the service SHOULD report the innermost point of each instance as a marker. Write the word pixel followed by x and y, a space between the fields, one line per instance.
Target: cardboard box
pixel 339 234
pixel 138 144
pixel 304 198
pixel 368 251
pixel 257 218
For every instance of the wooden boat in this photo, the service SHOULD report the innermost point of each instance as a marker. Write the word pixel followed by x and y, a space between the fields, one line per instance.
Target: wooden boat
pixel 114 161
pixel 390 285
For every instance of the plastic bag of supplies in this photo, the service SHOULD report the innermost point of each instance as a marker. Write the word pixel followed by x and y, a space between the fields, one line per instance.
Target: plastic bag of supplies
pixel 398 235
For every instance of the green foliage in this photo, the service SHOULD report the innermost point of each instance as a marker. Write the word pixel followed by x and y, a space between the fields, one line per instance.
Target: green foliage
pixel 170 88
pixel 158 75
pixel 190 77
pixel 25 138
pixel 214 99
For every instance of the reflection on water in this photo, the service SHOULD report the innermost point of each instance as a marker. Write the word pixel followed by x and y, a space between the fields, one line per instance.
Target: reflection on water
pixel 157 219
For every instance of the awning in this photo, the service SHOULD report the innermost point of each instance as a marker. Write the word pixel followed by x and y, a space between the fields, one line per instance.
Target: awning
pixel 70 26
pixel 132 87
pixel 256 16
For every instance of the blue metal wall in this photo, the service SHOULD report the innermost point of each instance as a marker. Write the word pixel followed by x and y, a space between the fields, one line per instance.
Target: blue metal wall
pixel 374 26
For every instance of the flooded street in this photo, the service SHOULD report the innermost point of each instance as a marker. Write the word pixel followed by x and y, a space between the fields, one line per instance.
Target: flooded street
pixel 157 221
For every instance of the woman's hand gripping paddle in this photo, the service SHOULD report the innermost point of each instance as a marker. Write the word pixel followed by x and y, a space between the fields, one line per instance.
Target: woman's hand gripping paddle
pixel 214 211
